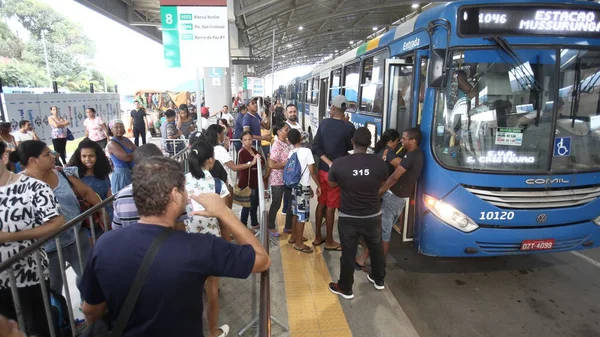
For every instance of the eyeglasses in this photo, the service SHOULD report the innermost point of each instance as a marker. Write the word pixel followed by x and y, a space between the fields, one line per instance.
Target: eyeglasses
pixel 54 153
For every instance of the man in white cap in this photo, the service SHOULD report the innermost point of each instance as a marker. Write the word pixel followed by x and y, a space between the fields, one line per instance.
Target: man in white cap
pixel 333 140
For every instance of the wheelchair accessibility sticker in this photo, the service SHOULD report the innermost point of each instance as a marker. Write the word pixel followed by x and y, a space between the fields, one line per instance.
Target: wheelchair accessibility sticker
pixel 562 146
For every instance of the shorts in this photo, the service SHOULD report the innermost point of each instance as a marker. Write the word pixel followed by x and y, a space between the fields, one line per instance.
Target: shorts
pixel 330 197
pixel 301 202
pixel 391 209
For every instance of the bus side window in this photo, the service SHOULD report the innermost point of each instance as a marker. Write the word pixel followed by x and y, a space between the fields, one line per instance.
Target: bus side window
pixel 315 90
pixel 421 89
pixel 372 83
pixel 334 84
pixel 351 77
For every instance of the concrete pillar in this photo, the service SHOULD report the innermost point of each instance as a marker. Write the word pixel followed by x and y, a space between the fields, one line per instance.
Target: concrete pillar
pixel 238 79
pixel 217 89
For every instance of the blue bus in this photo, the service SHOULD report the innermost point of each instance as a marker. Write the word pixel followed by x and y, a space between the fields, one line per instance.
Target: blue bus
pixel 507 96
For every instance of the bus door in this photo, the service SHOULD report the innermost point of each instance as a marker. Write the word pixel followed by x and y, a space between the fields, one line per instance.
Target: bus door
pixel 323 100
pixel 398 114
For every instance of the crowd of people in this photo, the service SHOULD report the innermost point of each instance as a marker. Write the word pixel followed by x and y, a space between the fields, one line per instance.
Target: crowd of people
pixel 178 228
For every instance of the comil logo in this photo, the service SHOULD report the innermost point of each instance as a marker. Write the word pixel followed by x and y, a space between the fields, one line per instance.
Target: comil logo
pixel 411 44
pixel 546 181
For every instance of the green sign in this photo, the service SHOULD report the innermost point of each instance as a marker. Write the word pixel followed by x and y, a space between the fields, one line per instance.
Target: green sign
pixel 168 15
pixel 195 36
pixel 245 83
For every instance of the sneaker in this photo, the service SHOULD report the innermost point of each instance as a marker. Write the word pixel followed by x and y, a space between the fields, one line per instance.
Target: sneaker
pixel 377 285
pixel 333 287
pixel 283 213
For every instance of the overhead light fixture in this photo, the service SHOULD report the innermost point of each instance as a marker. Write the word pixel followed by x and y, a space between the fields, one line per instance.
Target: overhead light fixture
pixel 300 28
pixel 351 42
pixel 336 50
pixel 289 45
pixel 374 28
pixel 415 6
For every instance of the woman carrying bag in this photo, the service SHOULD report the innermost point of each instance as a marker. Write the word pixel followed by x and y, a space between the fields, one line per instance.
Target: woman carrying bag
pixel 247 184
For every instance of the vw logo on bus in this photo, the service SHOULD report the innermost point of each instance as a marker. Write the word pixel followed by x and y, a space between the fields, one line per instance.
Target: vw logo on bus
pixel 542 218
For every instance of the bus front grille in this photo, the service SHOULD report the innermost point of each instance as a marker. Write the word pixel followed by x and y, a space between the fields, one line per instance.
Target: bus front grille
pixel 515 247
pixel 537 198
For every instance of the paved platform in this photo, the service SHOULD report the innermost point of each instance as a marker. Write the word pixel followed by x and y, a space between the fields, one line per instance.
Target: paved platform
pixel 301 299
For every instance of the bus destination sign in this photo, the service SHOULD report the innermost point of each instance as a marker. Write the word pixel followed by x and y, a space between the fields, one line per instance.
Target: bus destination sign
pixel 529 20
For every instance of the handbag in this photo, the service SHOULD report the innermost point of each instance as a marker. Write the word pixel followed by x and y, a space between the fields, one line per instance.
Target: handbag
pixel 70 135
pixel 84 205
pixel 242 196
pixel 102 328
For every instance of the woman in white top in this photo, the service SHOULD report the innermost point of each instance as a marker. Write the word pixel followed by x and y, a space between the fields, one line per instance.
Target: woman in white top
pixel 6 137
pixel 34 213
pixel 201 160
pixel 59 134
pixel 216 135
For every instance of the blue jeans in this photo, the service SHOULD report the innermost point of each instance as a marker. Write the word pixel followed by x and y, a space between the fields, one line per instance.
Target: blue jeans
pixel 286 202
pixel 391 208
pixel 252 210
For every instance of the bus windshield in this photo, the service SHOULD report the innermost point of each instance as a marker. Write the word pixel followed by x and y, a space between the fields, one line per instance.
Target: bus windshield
pixel 503 113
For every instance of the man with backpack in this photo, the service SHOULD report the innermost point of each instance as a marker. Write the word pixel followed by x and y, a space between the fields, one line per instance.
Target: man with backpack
pixel 296 175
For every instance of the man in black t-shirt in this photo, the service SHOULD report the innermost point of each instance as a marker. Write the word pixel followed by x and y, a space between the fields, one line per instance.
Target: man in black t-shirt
pixel 401 183
pixel 138 123
pixel 399 186
pixel 359 177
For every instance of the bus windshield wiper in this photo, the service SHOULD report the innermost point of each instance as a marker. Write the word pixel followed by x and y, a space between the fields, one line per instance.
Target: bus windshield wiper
pixel 522 72
pixel 517 63
pixel 576 90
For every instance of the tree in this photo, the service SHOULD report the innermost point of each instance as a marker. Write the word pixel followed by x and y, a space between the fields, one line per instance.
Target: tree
pixel 21 74
pixel 11 45
pixel 66 45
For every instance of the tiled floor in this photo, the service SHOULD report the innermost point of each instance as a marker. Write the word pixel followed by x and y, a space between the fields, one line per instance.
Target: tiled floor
pixel 312 308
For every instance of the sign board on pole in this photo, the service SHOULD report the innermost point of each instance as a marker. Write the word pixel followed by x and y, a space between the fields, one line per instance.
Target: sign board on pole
pixel 258 87
pixel 195 33
pixel 216 72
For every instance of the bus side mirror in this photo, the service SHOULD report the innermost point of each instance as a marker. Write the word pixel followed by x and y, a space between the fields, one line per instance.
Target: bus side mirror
pixel 437 68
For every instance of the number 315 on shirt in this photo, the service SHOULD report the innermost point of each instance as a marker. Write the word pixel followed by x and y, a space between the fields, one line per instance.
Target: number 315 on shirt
pixel 361 172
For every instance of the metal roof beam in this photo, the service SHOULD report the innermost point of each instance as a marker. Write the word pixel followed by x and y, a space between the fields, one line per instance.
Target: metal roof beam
pixel 119 11
pixel 255 7
pixel 334 15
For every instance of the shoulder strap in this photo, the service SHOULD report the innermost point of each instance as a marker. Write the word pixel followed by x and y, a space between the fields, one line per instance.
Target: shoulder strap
pixel 138 283
pixel 298 159
pixel 67 178
pixel 218 186
pixel 384 156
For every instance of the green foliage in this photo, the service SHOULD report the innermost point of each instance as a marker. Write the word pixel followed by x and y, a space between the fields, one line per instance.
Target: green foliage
pixel 10 44
pixel 68 48
pixel 21 74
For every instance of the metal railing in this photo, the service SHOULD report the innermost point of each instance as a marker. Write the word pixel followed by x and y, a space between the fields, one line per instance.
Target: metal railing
pixel 263 317
pixel 8 265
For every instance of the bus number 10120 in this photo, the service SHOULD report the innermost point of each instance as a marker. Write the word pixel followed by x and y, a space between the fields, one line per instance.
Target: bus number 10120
pixel 496 215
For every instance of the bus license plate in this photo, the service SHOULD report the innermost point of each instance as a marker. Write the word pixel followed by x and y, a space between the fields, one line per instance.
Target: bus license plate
pixel 537 244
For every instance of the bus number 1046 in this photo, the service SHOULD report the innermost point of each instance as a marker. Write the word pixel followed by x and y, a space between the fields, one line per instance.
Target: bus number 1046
pixel 496 215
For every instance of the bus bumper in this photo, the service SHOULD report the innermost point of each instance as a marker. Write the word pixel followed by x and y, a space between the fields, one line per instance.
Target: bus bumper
pixel 439 239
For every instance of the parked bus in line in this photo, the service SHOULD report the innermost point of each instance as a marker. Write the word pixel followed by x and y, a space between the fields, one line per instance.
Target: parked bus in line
pixel 507 96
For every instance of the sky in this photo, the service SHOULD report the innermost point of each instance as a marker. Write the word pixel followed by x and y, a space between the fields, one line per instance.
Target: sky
pixel 134 61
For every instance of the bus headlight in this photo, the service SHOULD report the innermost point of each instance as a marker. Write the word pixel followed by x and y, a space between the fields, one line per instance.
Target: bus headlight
pixel 597 221
pixel 449 214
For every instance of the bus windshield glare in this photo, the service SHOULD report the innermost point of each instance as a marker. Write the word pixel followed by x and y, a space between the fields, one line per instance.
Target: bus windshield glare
pixel 499 114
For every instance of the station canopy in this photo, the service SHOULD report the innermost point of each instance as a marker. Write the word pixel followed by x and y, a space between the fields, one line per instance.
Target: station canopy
pixel 306 31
